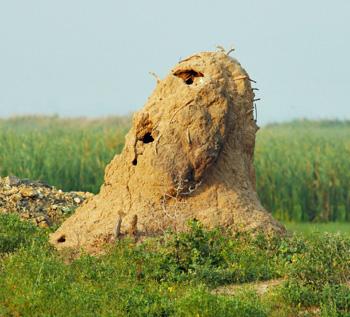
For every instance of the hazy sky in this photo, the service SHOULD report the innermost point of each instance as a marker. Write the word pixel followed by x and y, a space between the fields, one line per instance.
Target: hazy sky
pixel 92 58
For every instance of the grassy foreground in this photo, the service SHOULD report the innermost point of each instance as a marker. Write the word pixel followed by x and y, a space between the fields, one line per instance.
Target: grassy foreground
pixel 303 167
pixel 175 275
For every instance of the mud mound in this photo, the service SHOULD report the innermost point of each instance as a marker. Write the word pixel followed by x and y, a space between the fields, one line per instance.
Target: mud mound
pixel 189 154
pixel 38 202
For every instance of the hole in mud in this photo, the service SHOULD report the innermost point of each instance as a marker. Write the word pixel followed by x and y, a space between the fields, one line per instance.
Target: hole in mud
pixel 147 138
pixel 61 239
pixel 188 75
pixel 134 162
pixel 189 81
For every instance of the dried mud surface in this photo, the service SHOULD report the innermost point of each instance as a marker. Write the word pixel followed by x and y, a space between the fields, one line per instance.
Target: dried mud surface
pixel 189 155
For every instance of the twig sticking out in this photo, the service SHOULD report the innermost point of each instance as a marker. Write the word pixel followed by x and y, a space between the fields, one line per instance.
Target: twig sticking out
pixel 117 227
pixel 155 76
pixel 185 105
pixel 240 77
pixel 232 49
pixel 156 144
pixel 189 141
pixel 246 77
pixel 133 226
pixel 222 49
pixel 256 112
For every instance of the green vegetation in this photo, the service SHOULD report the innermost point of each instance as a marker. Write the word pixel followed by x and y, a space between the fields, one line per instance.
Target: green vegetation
pixel 303 174
pixel 68 153
pixel 303 167
pixel 303 170
pixel 175 275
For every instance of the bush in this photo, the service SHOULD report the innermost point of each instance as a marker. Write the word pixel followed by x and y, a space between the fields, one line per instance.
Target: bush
pixel 318 275
pixel 200 303
pixel 209 256
pixel 325 260
pixel 15 233
pixel 172 275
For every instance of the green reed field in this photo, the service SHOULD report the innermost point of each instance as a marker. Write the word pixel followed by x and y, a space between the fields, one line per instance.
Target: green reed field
pixel 303 167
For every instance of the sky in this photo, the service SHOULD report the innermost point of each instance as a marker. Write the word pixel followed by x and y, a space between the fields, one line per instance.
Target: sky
pixel 93 58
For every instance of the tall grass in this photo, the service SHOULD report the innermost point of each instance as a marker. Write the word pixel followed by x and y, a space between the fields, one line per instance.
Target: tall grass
pixel 303 167
pixel 68 153
pixel 303 170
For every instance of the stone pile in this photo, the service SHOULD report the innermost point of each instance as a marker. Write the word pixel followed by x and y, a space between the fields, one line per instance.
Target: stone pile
pixel 38 202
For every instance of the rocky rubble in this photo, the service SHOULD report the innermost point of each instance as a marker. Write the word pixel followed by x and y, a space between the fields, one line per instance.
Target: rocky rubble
pixel 38 202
